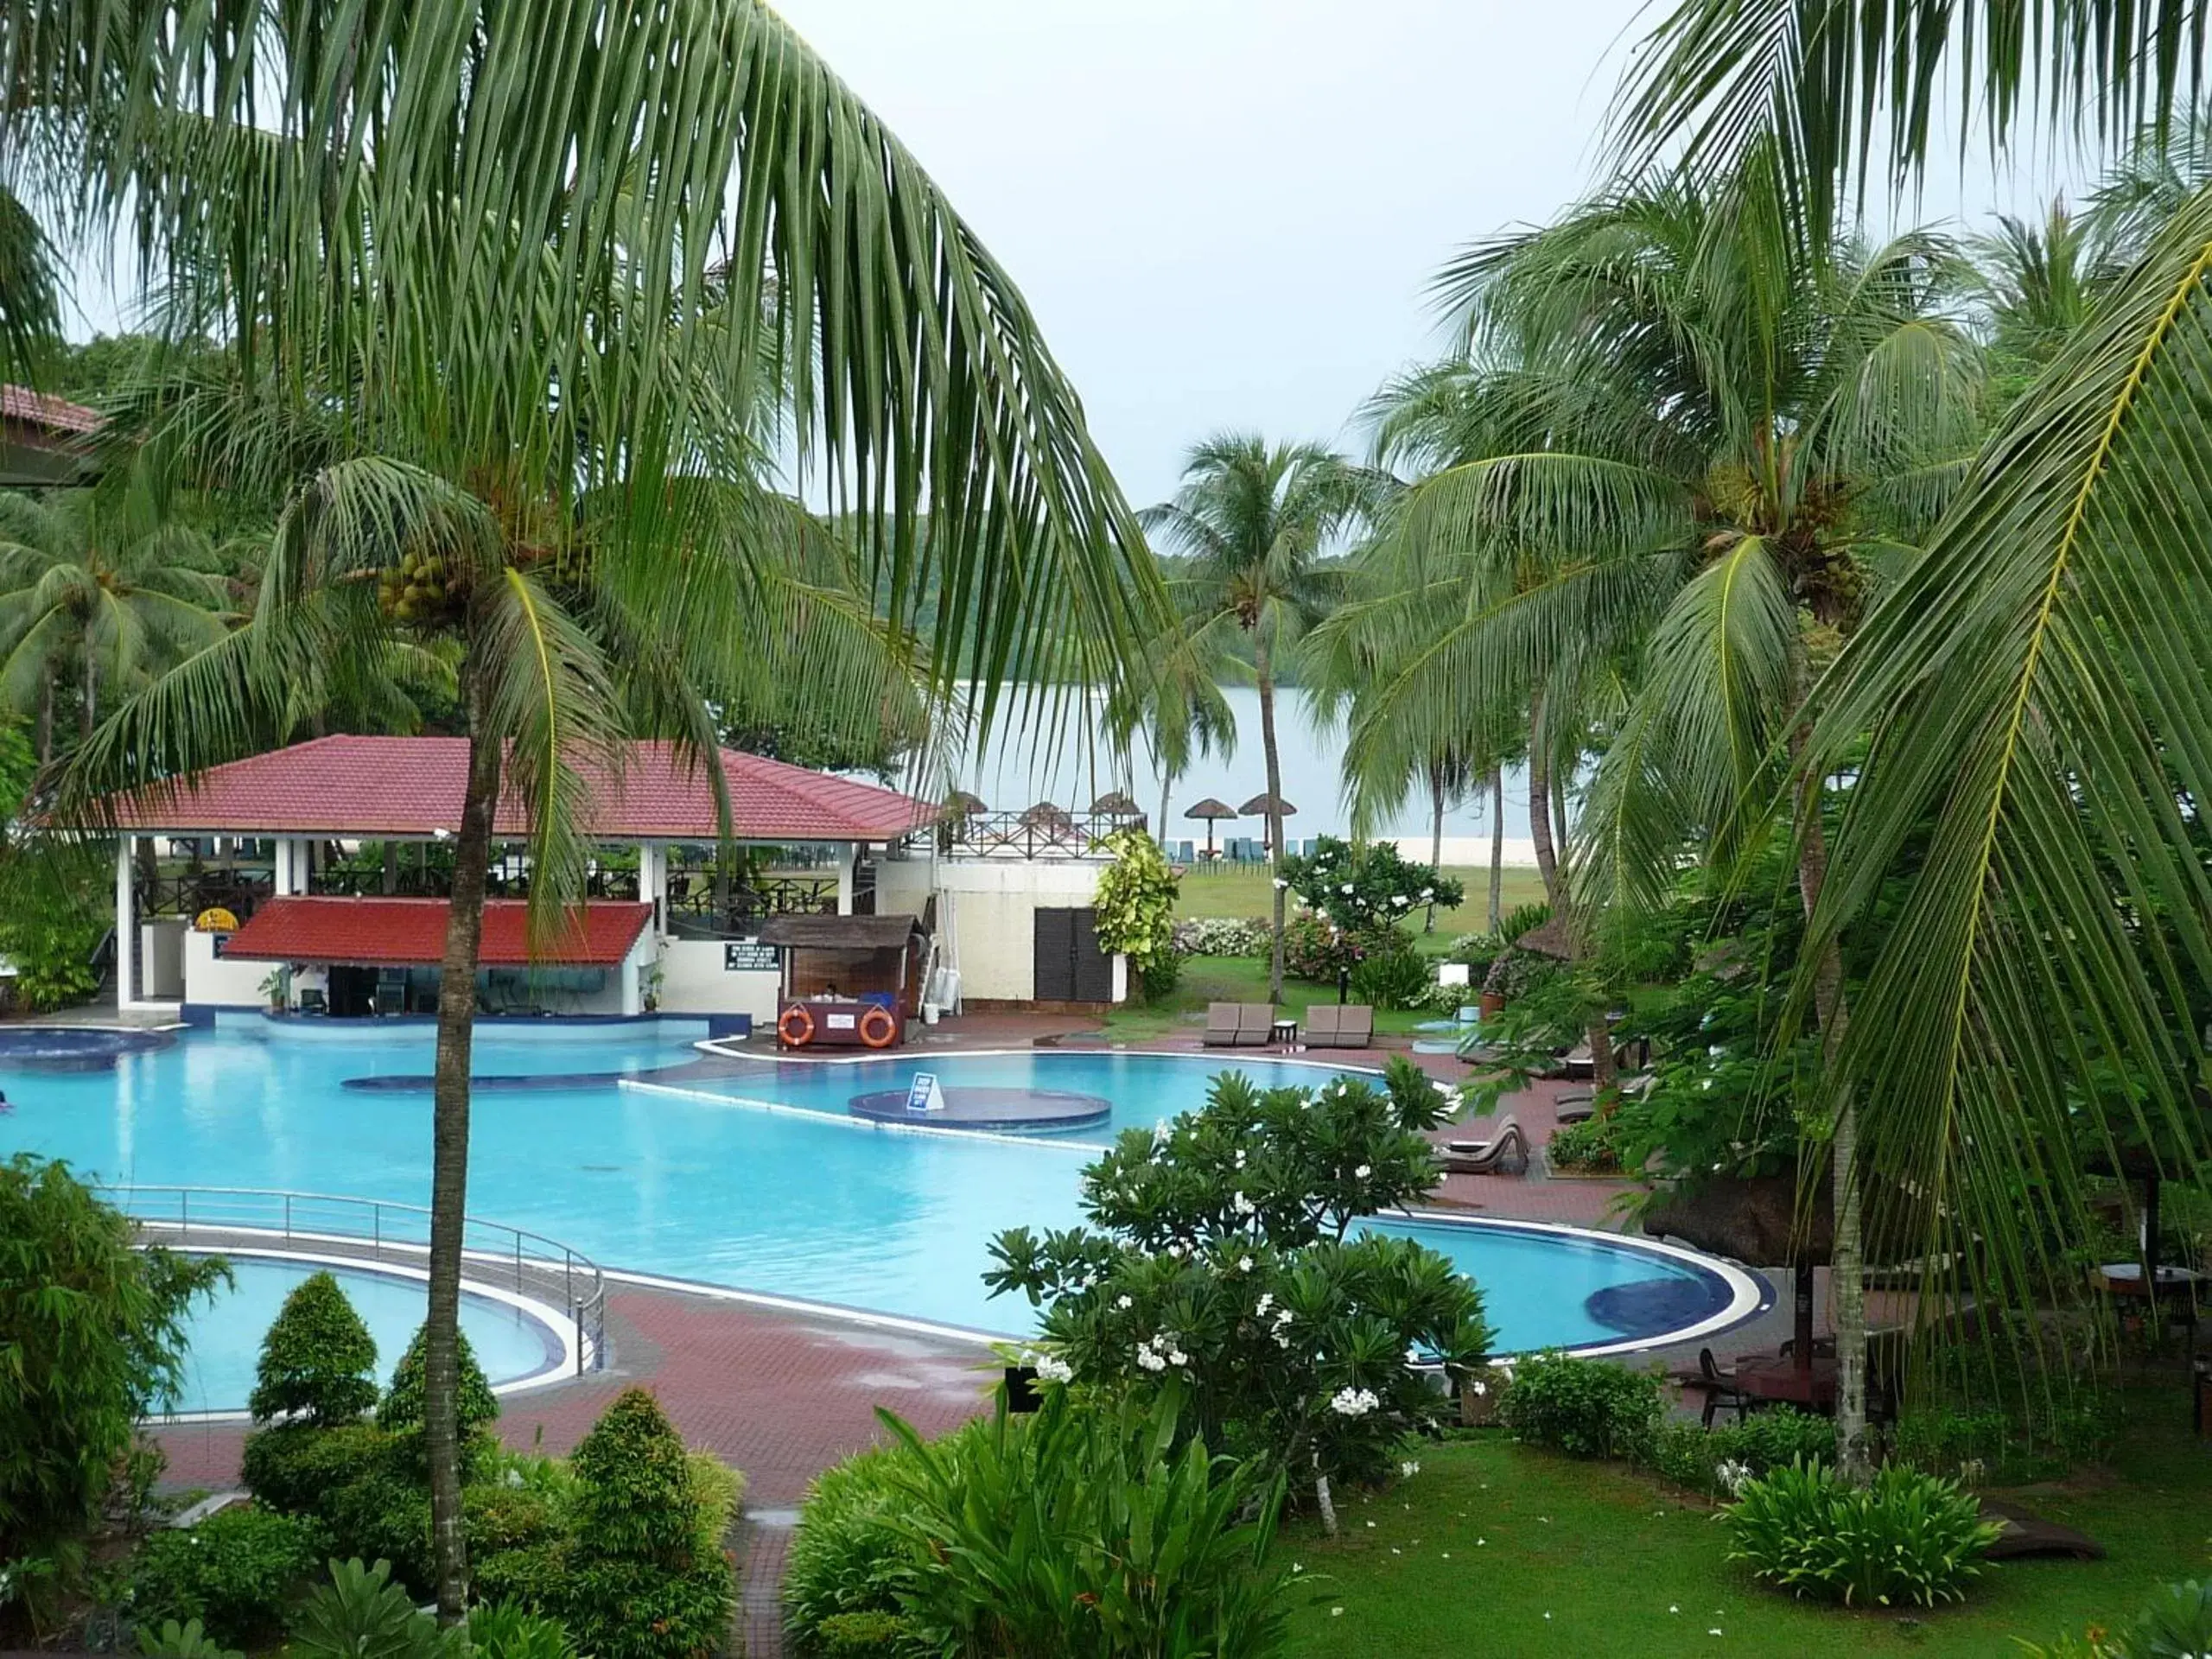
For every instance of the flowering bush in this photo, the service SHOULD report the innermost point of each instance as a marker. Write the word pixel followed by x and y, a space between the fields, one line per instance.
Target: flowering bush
pixel 1319 950
pixel 1217 1266
pixel 1365 886
pixel 1223 935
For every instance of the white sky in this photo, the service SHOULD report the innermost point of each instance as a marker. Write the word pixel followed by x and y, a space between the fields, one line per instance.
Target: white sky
pixel 1226 213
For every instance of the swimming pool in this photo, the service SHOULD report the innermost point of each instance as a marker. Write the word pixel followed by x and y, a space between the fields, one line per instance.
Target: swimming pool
pixel 223 1337
pixel 758 1180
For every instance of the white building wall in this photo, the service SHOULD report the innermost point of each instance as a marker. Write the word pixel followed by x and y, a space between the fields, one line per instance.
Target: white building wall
pixel 989 907
pixel 161 960
pixel 218 983
pixel 693 980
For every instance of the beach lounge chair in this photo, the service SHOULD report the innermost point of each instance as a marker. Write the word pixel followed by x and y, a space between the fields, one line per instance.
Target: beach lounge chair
pixel 1255 1023
pixel 1321 1025
pixel 1576 1062
pixel 1355 1025
pixel 1221 1024
pixel 1575 1105
pixel 1505 1152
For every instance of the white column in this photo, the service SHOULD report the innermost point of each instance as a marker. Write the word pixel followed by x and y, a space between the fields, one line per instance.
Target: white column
pixel 126 921
pixel 653 881
pixel 280 875
pixel 845 880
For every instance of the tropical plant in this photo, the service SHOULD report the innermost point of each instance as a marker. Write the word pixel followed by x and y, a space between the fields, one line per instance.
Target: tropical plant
pixel 849 1551
pixel 234 1571
pixel 1253 522
pixel 362 1614
pixel 1134 904
pixel 318 1361
pixel 655 216
pixel 1903 1537
pixel 505 1631
pixel 1089 1533
pixel 1590 1408
pixel 1215 1273
pixel 1367 885
pixel 107 595
pixel 170 1640
pixel 92 1329
pixel 30 311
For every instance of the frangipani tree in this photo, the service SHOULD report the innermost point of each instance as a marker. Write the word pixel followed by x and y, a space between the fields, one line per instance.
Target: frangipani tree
pixel 507 289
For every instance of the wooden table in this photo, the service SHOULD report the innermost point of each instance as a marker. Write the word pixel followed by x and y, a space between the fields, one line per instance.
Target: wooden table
pixel 1773 1377
pixel 1283 1033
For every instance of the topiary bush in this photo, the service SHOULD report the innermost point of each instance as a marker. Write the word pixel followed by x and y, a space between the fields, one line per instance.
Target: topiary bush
pixel 1589 1407
pixel 646 1581
pixel 1906 1537
pixel 318 1361
pixel 234 1573
pixel 401 1409
pixel 298 1468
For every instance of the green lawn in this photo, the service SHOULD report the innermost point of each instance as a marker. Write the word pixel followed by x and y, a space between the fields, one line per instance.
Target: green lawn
pixel 1243 890
pixel 1495 1548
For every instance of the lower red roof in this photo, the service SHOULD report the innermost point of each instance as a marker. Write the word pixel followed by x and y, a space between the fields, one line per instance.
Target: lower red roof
pixel 412 931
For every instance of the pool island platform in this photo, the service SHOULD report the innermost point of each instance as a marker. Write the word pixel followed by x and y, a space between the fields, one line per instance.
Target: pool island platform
pixel 1008 1111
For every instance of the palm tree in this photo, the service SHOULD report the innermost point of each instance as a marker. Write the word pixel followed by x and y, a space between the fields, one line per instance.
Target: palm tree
pixel 30 316
pixel 1765 425
pixel 2030 683
pixel 1253 521
pixel 85 593
pixel 507 289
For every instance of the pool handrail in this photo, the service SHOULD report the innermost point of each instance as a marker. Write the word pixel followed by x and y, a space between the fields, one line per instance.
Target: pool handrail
pixel 278 1211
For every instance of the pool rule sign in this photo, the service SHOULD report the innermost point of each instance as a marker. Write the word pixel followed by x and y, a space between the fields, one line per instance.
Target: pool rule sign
pixel 923 1095
pixel 749 956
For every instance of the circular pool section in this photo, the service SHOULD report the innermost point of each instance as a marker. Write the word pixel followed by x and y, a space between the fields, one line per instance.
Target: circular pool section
pixel 1008 1111
pixel 74 1048
pixel 223 1337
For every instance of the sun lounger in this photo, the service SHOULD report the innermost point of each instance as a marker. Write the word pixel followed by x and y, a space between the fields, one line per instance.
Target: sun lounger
pixel 1505 1152
pixel 1575 1105
pixel 1221 1024
pixel 1255 1023
pixel 1348 1025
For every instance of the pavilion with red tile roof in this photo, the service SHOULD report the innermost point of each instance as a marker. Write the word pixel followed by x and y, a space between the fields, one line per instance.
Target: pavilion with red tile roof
pixel 375 937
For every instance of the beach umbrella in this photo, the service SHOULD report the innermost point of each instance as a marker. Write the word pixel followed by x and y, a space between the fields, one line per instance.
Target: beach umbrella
pixel 1210 809
pixel 962 804
pixel 1116 804
pixel 1257 808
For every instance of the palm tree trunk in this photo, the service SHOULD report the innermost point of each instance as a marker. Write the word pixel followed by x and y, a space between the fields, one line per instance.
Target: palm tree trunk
pixel 1496 846
pixel 449 1156
pixel 1604 1075
pixel 1847 1260
pixel 1435 836
pixel 1266 675
pixel 91 685
pixel 1166 782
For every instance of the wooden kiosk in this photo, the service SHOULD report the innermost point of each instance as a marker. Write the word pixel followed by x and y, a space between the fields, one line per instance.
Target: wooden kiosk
pixel 848 981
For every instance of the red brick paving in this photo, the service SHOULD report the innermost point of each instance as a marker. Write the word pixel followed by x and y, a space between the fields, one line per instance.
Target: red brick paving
pixel 783 1395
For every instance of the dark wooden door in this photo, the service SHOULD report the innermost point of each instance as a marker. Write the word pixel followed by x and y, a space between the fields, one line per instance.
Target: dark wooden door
pixel 1071 967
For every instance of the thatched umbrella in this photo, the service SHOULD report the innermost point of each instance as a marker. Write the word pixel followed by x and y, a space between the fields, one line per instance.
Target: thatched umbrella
pixel 1210 809
pixel 1759 1221
pixel 1116 804
pixel 1047 815
pixel 1258 806
pixel 962 804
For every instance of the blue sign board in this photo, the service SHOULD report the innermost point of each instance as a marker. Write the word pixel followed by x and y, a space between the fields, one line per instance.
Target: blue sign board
pixel 922 1093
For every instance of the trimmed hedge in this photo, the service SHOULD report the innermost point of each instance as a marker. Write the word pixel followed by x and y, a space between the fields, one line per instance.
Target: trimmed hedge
pixel 318 1361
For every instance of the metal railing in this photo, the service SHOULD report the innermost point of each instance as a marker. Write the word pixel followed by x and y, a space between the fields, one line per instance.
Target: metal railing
pixel 536 1266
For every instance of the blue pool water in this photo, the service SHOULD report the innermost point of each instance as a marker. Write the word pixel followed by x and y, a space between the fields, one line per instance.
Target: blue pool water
pixel 701 1185
pixel 224 1336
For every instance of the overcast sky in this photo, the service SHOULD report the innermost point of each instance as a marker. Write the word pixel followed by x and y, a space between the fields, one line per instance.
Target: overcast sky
pixel 1226 213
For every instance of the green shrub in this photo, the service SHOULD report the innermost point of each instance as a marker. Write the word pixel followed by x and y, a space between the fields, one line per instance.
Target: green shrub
pixel 497 1518
pixel 1588 1146
pixel 234 1571
pixel 1716 1461
pixel 1590 1408
pixel 1394 976
pixel 2176 1623
pixel 401 1408
pixel 647 1579
pixel 93 1333
pixel 318 1361
pixel 185 1641
pixel 2003 1447
pixel 1907 1537
pixel 719 1491
pixel 300 1469
pixel 362 1614
pixel 531 1576
pixel 864 1635
pixel 503 1630
pixel 845 1556
pixel 385 1515
pixel 1312 949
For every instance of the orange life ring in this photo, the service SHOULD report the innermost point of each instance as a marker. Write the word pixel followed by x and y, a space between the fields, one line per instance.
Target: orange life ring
pixel 878 1028
pixel 795 1025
